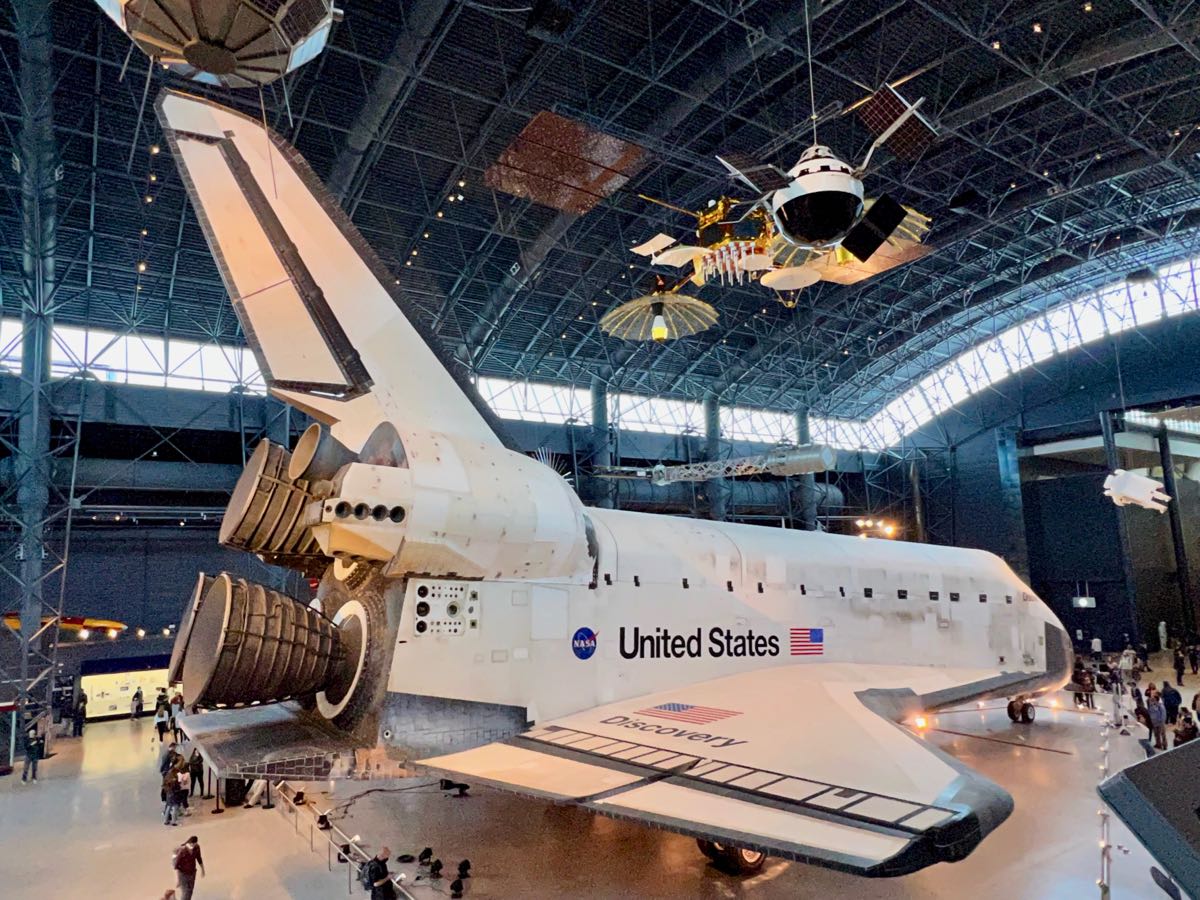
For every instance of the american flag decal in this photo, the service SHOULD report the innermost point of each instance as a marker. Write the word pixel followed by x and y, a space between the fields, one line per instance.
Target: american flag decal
pixel 808 641
pixel 686 712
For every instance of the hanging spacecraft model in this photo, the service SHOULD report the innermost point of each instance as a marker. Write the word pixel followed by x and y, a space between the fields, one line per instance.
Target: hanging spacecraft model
pixel 661 315
pixel 232 43
pixel 811 223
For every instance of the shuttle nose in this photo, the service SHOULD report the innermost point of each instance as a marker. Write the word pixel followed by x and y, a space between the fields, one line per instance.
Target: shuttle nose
pixel 1060 654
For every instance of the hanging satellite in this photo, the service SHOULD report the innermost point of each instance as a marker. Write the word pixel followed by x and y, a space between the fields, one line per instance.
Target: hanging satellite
pixel 818 207
pixel 663 314
pixel 1131 489
pixel 736 251
pixel 232 43
pixel 820 225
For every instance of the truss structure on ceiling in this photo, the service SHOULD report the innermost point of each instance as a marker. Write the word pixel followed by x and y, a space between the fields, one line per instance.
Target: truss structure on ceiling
pixel 1067 158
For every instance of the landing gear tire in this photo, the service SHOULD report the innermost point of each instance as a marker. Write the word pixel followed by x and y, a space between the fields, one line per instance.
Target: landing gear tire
pixel 1014 710
pixel 708 848
pixel 735 860
pixel 1028 712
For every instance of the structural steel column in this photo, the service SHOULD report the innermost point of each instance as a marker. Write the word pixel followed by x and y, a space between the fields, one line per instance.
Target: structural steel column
pixel 1013 545
pixel 602 454
pixel 1182 571
pixel 918 502
pixel 1124 551
pixel 808 481
pixel 37 160
pixel 718 490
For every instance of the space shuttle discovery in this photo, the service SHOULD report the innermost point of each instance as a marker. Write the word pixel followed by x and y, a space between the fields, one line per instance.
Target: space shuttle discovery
pixel 744 685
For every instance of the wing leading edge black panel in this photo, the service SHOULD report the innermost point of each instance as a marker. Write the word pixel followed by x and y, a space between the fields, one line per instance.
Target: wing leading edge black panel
pixel 1159 800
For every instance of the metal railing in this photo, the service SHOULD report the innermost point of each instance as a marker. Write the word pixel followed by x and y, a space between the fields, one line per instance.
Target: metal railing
pixel 336 842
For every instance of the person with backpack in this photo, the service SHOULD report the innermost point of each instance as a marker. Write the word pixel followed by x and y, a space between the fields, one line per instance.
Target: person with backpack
pixel 161 719
pixel 187 860
pixel 376 878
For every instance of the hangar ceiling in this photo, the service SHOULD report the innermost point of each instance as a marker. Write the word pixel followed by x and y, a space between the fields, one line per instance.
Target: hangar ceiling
pixel 1069 140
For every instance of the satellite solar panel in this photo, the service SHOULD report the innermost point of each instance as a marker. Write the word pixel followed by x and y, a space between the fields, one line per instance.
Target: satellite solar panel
pixel 765 178
pixel 882 110
pixel 883 218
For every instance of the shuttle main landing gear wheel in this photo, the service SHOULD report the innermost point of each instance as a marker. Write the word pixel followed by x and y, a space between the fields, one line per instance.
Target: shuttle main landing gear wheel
pixel 734 860
pixel 1021 711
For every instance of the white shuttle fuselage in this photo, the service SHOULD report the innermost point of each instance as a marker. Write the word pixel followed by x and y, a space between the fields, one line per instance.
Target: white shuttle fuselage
pixel 742 684
pixel 667 601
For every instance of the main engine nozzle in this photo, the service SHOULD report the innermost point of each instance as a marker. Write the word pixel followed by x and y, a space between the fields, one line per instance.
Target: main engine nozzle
pixel 265 512
pixel 249 644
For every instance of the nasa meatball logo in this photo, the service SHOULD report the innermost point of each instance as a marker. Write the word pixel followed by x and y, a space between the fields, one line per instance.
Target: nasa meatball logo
pixel 583 644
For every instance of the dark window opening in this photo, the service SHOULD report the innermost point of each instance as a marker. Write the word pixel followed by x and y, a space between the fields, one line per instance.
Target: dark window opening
pixel 729 586
pixel 608 578
pixel 1008 598
pixel 685 584
pixel 868 593
pixel 953 597
pixel 760 587
pixel 901 594
pixel 983 598
pixel 637 582
pixel 933 595
pixel 842 591
pixel 803 592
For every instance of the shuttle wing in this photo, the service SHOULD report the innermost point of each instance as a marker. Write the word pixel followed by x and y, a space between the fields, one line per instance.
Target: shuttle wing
pixel 804 762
